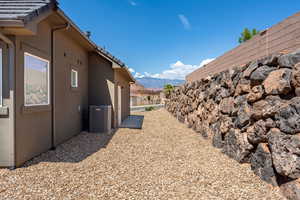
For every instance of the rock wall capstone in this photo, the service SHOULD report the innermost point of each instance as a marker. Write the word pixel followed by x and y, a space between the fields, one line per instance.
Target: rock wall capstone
pixel 252 113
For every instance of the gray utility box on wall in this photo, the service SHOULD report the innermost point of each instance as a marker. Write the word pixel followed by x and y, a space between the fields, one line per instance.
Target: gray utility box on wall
pixel 100 119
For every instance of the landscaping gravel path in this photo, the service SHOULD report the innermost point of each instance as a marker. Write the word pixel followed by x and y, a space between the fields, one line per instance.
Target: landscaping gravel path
pixel 164 160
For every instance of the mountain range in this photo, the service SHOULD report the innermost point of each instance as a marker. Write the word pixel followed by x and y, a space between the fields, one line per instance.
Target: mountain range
pixel 158 83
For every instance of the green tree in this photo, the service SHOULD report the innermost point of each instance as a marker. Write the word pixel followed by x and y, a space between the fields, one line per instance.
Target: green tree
pixel 247 35
pixel 168 88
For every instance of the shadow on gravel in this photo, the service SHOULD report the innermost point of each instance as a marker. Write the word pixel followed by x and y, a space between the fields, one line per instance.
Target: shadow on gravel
pixel 76 149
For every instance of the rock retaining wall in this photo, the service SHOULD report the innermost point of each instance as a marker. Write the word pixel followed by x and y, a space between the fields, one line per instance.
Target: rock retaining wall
pixel 252 113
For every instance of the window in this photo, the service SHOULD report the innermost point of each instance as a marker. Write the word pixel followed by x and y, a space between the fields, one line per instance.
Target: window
pixel 1 80
pixel 74 78
pixel 36 80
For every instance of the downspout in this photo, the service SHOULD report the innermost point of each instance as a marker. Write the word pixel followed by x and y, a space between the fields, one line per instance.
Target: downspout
pixel 62 27
pixel 12 83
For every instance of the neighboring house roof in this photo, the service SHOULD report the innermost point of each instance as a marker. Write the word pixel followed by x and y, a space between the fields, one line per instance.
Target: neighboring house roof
pixel 23 9
pixel 26 10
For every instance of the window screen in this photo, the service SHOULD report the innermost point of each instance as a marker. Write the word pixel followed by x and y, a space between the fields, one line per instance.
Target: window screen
pixel 74 78
pixel 36 80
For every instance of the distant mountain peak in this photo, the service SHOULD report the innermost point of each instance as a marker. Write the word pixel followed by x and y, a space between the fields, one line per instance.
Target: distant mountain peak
pixel 158 83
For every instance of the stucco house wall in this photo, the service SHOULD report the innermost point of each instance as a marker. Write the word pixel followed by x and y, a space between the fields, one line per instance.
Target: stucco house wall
pixel 101 83
pixel 27 131
pixel 122 80
pixel 70 104
pixel 33 124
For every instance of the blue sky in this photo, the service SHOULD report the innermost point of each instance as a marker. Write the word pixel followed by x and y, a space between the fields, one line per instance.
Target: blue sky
pixel 170 38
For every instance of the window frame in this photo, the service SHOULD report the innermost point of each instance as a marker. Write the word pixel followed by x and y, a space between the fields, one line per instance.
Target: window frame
pixel 76 80
pixel 48 80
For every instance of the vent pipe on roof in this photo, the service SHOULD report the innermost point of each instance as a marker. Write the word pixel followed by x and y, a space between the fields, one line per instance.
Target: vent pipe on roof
pixel 88 34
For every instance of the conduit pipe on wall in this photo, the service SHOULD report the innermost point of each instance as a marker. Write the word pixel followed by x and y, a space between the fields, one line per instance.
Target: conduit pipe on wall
pixel 62 27
pixel 12 94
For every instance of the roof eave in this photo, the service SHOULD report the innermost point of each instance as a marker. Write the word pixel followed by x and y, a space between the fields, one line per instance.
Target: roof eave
pixel 12 23
pixel 53 5
pixel 126 70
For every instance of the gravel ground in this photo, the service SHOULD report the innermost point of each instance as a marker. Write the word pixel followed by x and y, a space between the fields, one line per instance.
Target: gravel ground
pixel 165 160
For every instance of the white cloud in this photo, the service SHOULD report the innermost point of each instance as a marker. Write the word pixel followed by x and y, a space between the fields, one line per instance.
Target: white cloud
pixel 176 70
pixel 133 3
pixel 138 75
pixel 185 21
pixel 131 70
pixel 206 61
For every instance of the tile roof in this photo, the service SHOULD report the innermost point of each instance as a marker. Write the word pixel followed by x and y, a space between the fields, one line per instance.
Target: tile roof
pixel 23 9
pixel 109 55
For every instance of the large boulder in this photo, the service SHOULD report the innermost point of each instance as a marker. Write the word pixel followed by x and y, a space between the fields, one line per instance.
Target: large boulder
pixel 213 115
pixel 260 74
pixel 205 130
pixel 225 79
pixel 213 89
pixel 296 79
pixel 267 107
pixel 236 76
pixel 225 124
pixel 257 133
pixel 256 94
pixel 227 105
pixel 250 68
pixel 243 87
pixel 291 189
pixel 217 140
pixel 278 82
pixel 289 60
pixel 271 60
pixel 288 116
pixel 198 126
pixel 237 146
pixel 285 153
pixel 238 101
pixel 243 116
pixel 270 123
pixel 261 164
pixel 220 94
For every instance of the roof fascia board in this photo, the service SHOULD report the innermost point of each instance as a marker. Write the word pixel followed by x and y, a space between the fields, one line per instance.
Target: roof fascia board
pixel 52 5
pixel 12 23
pixel 29 26
pixel 125 69
pixel 130 75
pixel 33 23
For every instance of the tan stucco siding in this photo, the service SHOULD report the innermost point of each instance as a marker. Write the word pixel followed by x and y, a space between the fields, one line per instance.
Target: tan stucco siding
pixel 67 112
pixel 71 104
pixel 33 126
pixel 121 80
pixel 101 82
